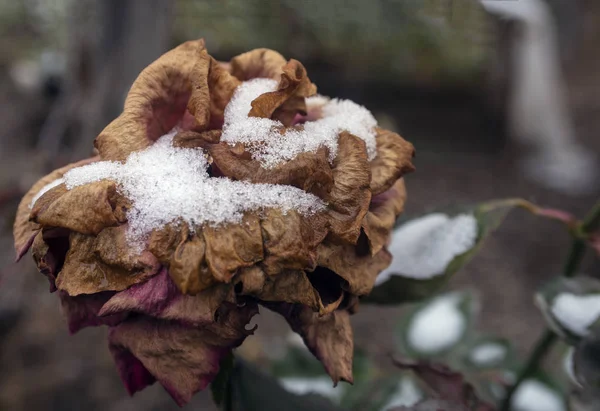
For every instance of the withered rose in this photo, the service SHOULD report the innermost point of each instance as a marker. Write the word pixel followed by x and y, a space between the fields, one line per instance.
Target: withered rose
pixel 280 205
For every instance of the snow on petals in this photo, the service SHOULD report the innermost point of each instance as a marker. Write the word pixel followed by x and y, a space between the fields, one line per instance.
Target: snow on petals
pixel 270 144
pixel 167 184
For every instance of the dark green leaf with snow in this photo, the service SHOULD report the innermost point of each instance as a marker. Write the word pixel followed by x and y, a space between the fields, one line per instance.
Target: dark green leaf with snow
pixel 427 251
pixel 571 306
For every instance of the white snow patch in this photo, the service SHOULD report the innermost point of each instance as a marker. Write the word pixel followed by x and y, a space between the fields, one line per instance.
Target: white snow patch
pixel 320 385
pixel 576 312
pixel 407 395
pixel 422 248
pixel 167 184
pixel 45 189
pixel 437 326
pixel 487 353
pixel 270 144
pixel 532 395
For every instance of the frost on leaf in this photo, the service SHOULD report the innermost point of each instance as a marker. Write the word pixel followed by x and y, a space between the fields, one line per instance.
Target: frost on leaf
pixel 220 186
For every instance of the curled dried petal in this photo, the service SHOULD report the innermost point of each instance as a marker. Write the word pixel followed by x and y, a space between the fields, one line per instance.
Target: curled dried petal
pixel 383 212
pixel 212 88
pixel 184 360
pixel 350 196
pixel 86 271
pixel 156 102
pixel 308 171
pixel 233 246
pixel 49 251
pixel 292 286
pixel 24 230
pixel 354 264
pixel 86 209
pixel 328 337
pixel 188 266
pixel 288 100
pixel 290 240
pixel 257 63
pixel 394 159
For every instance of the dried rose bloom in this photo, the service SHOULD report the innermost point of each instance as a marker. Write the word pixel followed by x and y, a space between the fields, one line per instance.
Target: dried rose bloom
pixel 207 200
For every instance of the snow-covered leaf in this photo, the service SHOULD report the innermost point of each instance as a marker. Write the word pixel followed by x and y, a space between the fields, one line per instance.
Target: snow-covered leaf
pixel 571 306
pixel 438 325
pixel 536 395
pixel 428 250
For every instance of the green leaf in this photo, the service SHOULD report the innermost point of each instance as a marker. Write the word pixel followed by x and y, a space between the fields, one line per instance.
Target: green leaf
pixel 402 287
pixel 570 306
pixel 437 327
pixel 255 391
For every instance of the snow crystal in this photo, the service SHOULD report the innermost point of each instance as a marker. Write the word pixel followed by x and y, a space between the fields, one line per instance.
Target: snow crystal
pixel 576 312
pixel 437 326
pixel 488 353
pixel 45 189
pixel 320 385
pixel 167 184
pixel 422 248
pixel 406 395
pixel 532 395
pixel 270 146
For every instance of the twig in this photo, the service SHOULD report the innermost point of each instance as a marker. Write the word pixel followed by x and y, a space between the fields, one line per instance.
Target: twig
pixel 547 340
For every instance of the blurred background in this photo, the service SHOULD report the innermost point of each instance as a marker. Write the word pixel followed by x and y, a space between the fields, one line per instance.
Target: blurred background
pixel 500 98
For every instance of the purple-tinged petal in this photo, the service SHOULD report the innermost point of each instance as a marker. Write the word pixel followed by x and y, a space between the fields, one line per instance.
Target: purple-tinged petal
pixel 184 360
pixel 82 311
pixel 159 297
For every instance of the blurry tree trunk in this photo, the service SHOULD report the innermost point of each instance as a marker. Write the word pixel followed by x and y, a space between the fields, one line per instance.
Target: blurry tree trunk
pixel 111 41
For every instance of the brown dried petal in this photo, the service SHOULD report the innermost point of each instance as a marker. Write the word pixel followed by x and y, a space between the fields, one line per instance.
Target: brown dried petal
pixel 394 159
pixel 288 100
pixel 164 241
pixel 290 240
pixel 194 139
pixel 156 102
pixel 86 209
pixel 184 360
pixel 85 271
pixel 233 246
pixel 290 286
pixel 350 196
pixel 383 212
pixel 212 88
pixel 24 230
pixel 354 264
pixel 49 250
pixel 188 266
pixel 310 172
pixel 328 337
pixel 257 63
